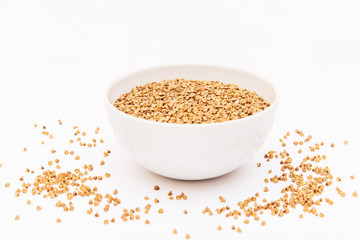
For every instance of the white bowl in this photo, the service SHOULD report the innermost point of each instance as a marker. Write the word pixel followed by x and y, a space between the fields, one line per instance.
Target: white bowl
pixel 191 151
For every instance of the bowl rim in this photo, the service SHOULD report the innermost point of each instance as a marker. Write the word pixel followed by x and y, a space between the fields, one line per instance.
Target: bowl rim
pixel 204 125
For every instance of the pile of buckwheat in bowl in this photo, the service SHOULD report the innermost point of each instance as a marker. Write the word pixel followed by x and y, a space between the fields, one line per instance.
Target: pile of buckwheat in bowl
pixel 203 125
pixel 190 102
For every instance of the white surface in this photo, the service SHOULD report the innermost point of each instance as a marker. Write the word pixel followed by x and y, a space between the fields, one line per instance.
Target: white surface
pixel 191 151
pixel 57 57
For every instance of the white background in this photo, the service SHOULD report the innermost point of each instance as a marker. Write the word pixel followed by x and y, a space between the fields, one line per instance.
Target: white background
pixel 56 57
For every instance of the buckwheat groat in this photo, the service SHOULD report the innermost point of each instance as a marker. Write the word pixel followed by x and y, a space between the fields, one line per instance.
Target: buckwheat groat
pixel 190 102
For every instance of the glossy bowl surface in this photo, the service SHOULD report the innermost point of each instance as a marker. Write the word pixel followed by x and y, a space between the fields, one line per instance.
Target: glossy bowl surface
pixel 191 151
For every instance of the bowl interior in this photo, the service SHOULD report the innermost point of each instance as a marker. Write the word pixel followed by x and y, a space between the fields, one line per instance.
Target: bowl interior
pixel 193 72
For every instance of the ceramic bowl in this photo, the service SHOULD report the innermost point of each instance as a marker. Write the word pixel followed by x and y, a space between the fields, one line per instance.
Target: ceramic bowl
pixel 191 151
